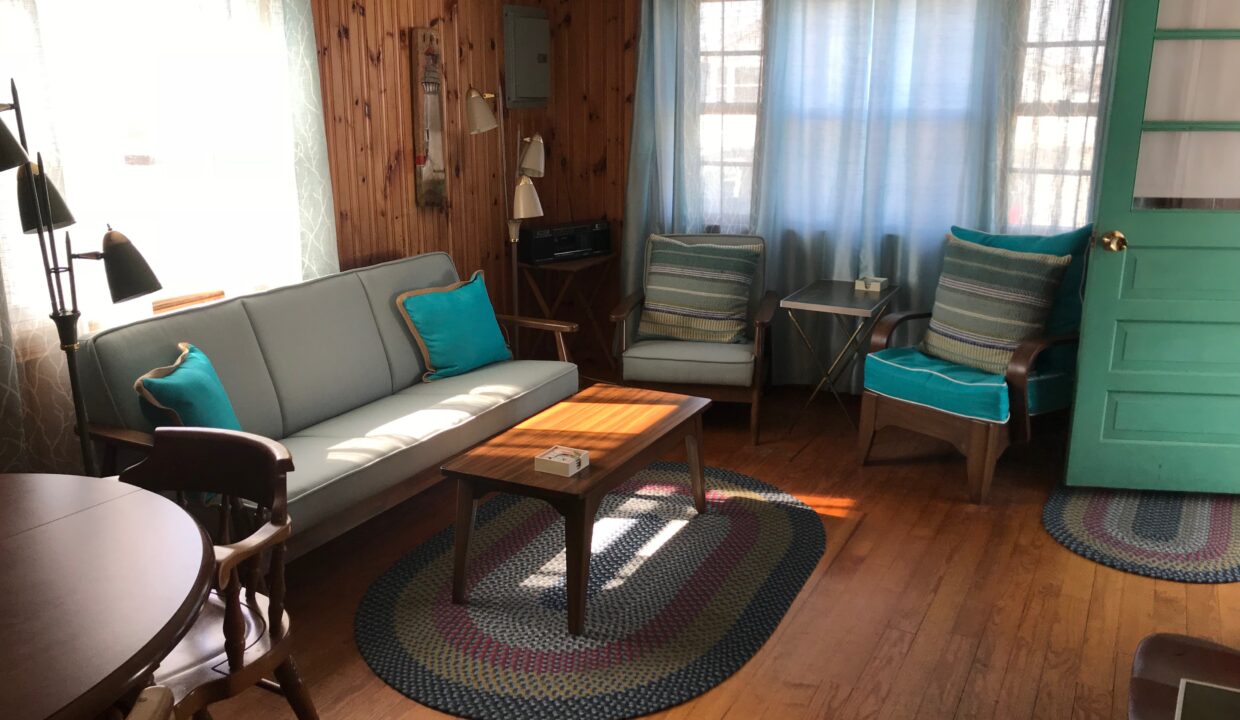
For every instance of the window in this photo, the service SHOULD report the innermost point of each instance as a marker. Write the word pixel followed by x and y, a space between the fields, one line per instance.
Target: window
pixel 1051 153
pixel 730 48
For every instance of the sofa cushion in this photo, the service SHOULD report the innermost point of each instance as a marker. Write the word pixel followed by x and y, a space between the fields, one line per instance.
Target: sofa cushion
pixel 679 361
pixel 188 392
pixel 907 374
pixel 322 348
pixel 363 452
pixel 382 284
pixel 455 327
pixel 113 359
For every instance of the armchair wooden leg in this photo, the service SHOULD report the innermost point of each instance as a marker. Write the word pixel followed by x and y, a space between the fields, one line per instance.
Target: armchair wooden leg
pixel 987 441
pixel 865 428
pixel 755 415
pixel 295 691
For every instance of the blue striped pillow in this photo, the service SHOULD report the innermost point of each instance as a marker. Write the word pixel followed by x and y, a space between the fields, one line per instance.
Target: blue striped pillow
pixel 990 300
pixel 698 291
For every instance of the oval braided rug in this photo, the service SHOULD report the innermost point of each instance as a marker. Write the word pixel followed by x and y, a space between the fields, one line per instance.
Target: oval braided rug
pixel 1186 537
pixel 677 601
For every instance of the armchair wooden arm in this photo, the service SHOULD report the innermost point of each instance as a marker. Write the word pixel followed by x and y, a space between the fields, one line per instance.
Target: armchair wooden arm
pixel 1017 377
pixel 559 327
pixel 880 339
pixel 625 306
pixel 620 315
pixel 230 557
pixel 762 320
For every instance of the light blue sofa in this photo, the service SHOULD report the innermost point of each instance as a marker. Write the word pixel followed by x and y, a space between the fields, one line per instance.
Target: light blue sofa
pixel 328 368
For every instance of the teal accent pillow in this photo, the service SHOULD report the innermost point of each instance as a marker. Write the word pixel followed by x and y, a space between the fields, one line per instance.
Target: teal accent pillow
pixel 188 392
pixel 1065 314
pixel 455 327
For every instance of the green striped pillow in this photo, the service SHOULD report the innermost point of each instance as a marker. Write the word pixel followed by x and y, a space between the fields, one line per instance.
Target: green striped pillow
pixel 698 291
pixel 988 301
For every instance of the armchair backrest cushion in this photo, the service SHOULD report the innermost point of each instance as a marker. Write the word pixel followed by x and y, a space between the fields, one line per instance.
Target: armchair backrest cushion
pixel 990 300
pixel 1065 316
pixel 747 251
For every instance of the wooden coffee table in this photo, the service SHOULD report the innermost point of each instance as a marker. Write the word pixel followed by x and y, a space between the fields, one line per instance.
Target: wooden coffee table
pixel 623 429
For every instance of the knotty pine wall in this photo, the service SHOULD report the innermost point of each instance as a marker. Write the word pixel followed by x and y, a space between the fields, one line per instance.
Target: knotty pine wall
pixel 363 48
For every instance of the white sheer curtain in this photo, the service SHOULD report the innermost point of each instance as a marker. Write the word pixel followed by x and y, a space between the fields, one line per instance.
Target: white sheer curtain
pixel 194 127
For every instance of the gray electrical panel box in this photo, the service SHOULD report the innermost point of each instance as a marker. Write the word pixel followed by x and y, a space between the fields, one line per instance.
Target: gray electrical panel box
pixel 527 56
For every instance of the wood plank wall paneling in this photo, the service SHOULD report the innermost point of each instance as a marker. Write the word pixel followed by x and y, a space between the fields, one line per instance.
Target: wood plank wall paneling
pixel 363 48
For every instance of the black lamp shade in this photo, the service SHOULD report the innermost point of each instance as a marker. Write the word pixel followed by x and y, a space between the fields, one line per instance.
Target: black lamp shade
pixel 61 217
pixel 11 153
pixel 128 274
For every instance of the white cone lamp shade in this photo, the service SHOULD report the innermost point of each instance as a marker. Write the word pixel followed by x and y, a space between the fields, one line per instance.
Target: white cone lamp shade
pixel 478 113
pixel 525 202
pixel 11 153
pixel 534 157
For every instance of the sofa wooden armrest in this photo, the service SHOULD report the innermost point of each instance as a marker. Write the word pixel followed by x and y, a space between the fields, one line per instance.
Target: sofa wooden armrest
pixel 1017 376
pixel 114 439
pixel 120 437
pixel 559 327
pixel 880 339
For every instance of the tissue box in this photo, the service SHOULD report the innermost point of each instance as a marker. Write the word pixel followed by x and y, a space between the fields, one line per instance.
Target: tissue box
pixel 870 284
pixel 562 461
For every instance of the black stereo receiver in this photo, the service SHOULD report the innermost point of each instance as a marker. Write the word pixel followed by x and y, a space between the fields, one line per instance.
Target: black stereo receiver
pixel 564 242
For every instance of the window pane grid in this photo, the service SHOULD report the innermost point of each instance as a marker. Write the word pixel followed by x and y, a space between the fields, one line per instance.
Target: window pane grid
pixel 730 59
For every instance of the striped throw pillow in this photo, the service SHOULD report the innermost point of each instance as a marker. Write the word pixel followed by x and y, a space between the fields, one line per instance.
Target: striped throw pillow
pixel 988 301
pixel 697 291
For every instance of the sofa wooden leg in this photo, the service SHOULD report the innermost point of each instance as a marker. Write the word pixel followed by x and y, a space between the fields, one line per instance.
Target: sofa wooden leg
pixel 865 428
pixel 986 444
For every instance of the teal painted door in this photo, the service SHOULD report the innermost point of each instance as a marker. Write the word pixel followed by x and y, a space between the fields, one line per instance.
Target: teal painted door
pixel 1158 386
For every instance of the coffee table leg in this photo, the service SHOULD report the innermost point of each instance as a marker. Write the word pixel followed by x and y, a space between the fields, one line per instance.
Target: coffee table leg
pixel 578 534
pixel 693 449
pixel 466 503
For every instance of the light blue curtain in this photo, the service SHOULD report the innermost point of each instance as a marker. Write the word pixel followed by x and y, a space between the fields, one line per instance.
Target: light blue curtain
pixel 663 177
pixel 882 124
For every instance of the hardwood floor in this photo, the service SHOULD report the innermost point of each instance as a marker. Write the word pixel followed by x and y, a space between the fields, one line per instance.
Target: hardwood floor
pixel 934 608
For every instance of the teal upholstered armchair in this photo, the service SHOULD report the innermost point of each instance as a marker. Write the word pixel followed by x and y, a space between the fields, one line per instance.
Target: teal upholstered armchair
pixel 727 372
pixel 979 413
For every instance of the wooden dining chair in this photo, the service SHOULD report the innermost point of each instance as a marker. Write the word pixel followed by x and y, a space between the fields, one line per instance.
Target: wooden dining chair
pixel 155 703
pixel 242 477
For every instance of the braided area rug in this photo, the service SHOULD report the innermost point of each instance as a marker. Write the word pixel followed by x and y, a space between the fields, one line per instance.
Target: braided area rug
pixel 677 601
pixel 1186 537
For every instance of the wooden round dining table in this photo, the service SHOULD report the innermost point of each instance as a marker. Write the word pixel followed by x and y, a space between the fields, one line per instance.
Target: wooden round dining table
pixel 98 582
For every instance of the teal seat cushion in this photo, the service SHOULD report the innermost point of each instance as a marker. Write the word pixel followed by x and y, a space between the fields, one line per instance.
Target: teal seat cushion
pixel 188 392
pixel 910 375
pixel 454 327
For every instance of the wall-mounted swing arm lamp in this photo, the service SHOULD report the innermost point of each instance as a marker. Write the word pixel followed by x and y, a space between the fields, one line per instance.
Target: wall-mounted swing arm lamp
pixel 43 211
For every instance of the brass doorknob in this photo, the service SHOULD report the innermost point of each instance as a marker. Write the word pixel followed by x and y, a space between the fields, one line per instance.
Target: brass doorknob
pixel 1114 241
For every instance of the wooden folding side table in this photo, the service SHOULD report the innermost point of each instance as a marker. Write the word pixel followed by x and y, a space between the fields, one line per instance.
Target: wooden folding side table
pixel 841 300
pixel 569 270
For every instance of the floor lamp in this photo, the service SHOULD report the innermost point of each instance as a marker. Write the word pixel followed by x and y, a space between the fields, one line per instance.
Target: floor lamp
pixel 531 162
pixel 43 211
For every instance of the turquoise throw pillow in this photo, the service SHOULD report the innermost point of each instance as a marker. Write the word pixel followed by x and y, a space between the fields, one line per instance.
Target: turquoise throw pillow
pixel 188 392
pixel 1065 314
pixel 455 327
